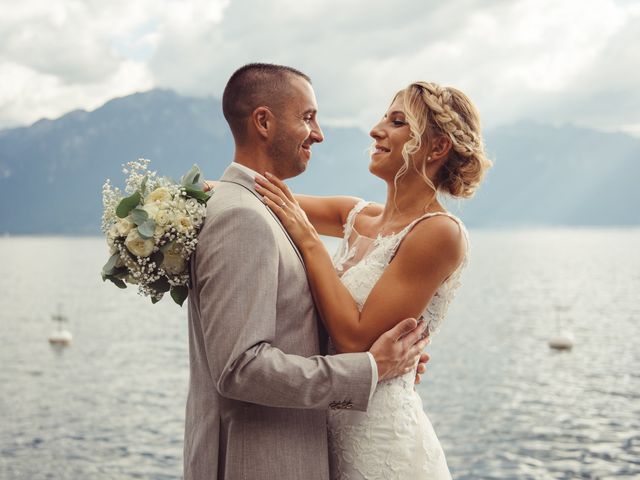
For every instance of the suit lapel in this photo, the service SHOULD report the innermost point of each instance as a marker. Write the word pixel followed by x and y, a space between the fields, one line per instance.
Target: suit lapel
pixel 239 177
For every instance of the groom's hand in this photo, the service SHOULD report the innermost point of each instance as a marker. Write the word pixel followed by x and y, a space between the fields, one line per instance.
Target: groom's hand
pixel 398 351
pixel 422 367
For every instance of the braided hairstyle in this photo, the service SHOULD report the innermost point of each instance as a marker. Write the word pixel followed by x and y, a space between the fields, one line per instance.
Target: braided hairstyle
pixel 432 110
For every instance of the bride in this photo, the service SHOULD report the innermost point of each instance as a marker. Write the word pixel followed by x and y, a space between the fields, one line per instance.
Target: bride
pixel 397 260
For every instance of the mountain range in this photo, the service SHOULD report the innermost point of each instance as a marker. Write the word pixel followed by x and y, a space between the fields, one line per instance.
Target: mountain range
pixel 52 172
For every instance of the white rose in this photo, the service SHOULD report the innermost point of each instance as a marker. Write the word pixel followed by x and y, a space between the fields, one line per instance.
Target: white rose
pixel 181 204
pixel 183 223
pixel 159 195
pixel 137 245
pixel 158 232
pixel 124 226
pixel 164 217
pixel 173 263
pixel 151 209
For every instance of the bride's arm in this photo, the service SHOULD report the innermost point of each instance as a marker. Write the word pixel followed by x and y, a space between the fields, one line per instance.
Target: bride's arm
pixel 327 214
pixel 427 256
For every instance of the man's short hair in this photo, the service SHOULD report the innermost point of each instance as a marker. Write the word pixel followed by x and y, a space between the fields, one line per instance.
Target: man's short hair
pixel 252 86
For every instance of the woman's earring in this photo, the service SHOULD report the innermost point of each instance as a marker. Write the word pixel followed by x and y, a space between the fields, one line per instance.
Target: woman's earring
pixel 428 159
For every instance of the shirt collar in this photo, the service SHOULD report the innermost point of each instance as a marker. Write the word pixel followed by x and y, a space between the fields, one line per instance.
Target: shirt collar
pixel 249 171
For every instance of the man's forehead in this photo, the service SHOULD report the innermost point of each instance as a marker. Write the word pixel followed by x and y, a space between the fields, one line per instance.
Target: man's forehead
pixel 303 95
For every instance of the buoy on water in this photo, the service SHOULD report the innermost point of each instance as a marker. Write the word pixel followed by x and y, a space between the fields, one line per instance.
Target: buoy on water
pixel 562 341
pixel 60 336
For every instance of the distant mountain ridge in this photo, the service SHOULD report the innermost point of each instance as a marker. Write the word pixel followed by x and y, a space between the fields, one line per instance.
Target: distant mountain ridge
pixel 51 172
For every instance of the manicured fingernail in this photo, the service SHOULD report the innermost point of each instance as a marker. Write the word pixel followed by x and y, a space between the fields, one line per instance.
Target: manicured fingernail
pixel 267 174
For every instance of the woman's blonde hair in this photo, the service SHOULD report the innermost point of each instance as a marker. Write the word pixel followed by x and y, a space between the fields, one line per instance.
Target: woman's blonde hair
pixel 432 110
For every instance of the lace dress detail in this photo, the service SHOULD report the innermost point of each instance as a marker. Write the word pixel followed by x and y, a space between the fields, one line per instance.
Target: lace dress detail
pixel 393 439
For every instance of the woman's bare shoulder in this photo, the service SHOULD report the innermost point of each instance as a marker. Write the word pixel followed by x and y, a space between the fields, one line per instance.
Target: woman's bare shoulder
pixel 438 236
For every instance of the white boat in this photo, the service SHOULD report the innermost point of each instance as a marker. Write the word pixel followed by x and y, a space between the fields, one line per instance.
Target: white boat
pixel 562 341
pixel 60 336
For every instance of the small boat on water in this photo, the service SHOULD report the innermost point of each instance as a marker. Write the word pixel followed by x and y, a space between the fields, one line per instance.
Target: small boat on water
pixel 60 336
pixel 563 339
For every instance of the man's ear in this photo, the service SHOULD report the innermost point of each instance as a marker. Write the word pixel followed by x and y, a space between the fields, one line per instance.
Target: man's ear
pixel 263 121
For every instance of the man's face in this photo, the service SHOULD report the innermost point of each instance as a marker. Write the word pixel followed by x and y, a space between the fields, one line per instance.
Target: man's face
pixel 297 129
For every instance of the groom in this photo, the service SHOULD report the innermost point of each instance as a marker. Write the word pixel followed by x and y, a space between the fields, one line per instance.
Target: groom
pixel 260 384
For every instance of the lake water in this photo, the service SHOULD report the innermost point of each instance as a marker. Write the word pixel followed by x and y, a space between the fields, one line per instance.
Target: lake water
pixel 503 404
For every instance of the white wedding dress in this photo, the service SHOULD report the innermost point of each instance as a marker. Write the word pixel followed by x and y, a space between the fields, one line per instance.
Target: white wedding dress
pixel 393 439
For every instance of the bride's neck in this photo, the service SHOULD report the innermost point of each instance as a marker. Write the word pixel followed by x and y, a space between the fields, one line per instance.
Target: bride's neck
pixel 410 199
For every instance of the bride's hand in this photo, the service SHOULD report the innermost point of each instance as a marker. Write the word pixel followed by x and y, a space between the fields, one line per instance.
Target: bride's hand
pixel 208 185
pixel 277 196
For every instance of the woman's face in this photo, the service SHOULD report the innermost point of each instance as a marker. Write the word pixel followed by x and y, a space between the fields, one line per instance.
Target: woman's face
pixel 390 135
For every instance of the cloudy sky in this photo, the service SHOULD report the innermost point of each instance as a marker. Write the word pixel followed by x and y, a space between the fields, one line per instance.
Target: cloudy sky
pixel 551 60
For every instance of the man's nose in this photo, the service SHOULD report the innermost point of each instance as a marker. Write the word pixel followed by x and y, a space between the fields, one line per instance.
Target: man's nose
pixel 316 134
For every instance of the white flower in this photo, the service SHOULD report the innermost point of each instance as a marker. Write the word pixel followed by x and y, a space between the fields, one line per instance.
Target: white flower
pixel 191 205
pixel 164 217
pixel 159 231
pixel 137 245
pixel 124 226
pixel 151 209
pixel 160 195
pixel 174 264
pixel 183 223
pixel 181 204
pixel 112 233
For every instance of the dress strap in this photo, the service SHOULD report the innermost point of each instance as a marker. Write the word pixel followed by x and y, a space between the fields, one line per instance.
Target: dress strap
pixel 403 233
pixel 351 218
pixel 344 251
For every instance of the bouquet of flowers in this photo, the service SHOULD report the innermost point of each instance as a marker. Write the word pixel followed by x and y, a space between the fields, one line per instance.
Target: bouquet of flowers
pixel 152 231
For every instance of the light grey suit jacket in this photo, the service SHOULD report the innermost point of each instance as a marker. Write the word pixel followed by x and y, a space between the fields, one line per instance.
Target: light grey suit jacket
pixel 259 387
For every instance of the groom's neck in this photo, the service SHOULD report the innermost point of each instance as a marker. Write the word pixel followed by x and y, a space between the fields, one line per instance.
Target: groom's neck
pixel 254 159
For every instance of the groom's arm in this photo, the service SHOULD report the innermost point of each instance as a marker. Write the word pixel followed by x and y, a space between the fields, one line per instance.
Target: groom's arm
pixel 236 267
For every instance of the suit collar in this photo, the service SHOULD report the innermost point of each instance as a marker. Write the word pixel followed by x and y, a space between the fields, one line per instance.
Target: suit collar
pixel 242 177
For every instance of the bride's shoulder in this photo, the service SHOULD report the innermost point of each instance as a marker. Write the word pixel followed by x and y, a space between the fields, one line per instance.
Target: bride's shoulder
pixel 442 235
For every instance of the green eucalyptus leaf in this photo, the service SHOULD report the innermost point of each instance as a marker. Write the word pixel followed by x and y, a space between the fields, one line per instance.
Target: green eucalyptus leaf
pixel 120 272
pixel 143 185
pixel 161 285
pixel 155 300
pixel 127 204
pixel 139 216
pixel 110 265
pixel 117 282
pixel 191 177
pixel 179 294
pixel 147 229
pixel 199 195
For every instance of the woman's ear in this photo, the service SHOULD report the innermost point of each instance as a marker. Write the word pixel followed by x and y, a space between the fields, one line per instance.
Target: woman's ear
pixel 440 148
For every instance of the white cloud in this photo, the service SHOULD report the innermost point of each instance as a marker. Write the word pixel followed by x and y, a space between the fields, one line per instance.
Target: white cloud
pixel 569 61
pixel 59 55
